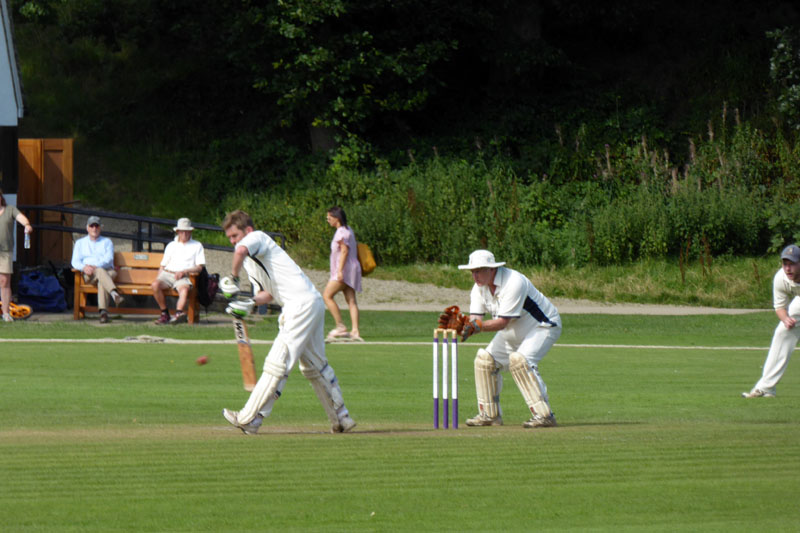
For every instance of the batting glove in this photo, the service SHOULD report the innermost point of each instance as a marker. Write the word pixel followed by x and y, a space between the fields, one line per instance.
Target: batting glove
pixel 240 308
pixel 229 285
pixel 471 328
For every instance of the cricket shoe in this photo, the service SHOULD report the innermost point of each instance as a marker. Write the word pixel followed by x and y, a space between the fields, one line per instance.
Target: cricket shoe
pixel 248 429
pixel 344 425
pixel 482 420
pixel 117 297
pixel 758 393
pixel 538 421
pixel 179 318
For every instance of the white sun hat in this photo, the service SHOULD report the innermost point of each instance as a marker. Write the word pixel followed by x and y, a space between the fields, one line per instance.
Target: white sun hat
pixel 184 224
pixel 481 259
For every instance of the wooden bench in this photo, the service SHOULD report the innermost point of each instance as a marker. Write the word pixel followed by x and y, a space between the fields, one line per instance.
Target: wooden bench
pixel 135 272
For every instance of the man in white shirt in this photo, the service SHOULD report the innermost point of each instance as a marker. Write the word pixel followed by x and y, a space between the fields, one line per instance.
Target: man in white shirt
pixel 275 277
pixel 182 257
pixel 93 255
pixel 527 326
pixel 786 302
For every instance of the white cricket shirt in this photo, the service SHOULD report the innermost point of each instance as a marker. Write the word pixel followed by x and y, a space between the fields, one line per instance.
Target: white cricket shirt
pixel 270 268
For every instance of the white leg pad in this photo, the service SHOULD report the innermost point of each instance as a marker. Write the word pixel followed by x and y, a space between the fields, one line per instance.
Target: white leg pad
pixel 486 386
pixel 269 386
pixel 528 384
pixel 326 386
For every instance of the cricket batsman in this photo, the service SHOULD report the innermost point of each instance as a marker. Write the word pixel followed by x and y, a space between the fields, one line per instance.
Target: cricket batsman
pixel 526 323
pixel 275 277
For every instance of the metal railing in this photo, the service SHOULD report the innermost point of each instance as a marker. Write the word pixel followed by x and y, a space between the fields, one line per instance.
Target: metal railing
pixel 148 229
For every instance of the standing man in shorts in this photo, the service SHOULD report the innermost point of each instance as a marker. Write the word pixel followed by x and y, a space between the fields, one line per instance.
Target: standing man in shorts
pixel 275 277
pixel 9 214
pixel 527 326
pixel 182 257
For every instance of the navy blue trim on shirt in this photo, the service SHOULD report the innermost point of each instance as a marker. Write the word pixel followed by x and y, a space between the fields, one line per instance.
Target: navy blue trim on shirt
pixel 536 312
pixel 259 263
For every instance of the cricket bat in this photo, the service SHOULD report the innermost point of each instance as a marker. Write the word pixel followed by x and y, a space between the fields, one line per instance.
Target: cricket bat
pixel 245 354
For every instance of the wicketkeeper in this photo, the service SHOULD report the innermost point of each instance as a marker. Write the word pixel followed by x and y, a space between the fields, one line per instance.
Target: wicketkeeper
pixel 275 277
pixel 527 325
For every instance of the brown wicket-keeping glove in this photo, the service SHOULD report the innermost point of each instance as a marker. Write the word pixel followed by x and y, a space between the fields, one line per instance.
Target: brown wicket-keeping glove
pixel 452 319
pixel 471 328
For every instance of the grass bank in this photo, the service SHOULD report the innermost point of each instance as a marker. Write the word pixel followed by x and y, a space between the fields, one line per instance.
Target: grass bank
pixel 721 282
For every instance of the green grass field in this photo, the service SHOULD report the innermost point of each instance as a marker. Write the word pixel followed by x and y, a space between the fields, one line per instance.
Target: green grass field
pixel 105 436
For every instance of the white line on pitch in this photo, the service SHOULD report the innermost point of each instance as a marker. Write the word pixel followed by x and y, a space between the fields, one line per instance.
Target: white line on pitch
pixel 160 340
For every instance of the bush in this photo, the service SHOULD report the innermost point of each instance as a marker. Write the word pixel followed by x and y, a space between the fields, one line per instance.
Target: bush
pixel 733 196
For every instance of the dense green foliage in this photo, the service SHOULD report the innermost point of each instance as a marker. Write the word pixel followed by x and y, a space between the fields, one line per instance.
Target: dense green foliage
pixel 554 133
pixel 734 197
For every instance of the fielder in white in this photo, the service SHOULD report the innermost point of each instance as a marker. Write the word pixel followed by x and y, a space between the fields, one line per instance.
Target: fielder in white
pixel 275 277
pixel 527 326
pixel 786 301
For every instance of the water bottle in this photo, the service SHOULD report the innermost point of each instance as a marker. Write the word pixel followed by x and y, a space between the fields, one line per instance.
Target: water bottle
pixel 27 241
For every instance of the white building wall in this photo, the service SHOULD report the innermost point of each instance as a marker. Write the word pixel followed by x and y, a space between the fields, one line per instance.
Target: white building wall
pixel 11 107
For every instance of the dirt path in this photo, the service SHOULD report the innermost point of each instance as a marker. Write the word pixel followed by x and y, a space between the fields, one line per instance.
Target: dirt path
pixel 403 296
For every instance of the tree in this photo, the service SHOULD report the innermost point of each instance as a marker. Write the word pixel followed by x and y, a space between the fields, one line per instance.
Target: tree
pixel 335 65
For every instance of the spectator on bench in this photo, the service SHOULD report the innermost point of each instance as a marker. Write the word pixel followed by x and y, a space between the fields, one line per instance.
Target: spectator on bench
pixel 182 257
pixel 94 256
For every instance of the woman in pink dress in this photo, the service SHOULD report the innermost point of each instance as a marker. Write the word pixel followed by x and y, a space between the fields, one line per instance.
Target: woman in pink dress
pixel 345 276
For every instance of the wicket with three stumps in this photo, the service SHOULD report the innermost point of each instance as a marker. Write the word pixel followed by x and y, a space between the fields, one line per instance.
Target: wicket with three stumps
pixel 449 350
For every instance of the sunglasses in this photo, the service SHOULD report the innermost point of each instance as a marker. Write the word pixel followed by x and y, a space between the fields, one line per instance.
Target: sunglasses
pixel 94 225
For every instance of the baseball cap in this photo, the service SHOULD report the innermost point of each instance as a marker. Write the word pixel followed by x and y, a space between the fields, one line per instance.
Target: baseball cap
pixel 481 259
pixel 93 220
pixel 792 253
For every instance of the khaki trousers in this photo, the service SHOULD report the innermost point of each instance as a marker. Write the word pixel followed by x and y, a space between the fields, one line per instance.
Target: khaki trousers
pixel 104 279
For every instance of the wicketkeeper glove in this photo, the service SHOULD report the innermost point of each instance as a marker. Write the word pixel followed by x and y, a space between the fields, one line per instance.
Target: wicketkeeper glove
pixel 240 308
pixel 471 328
pixel 229 286
pixel 452 319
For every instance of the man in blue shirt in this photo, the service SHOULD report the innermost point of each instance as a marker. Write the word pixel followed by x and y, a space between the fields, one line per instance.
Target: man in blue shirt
pixel 94 256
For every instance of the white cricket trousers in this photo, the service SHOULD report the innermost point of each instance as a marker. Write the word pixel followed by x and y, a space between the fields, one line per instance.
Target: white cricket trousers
pixel 534 346
pixel 783 344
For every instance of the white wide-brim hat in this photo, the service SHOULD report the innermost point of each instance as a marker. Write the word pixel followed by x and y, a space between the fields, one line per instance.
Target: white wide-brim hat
pixel 481 259
pixel 184 224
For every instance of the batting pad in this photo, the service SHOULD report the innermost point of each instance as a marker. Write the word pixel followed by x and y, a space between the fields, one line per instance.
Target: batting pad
pixel 486 384
pixel 326 386
pixel 528 384
pixel 269 386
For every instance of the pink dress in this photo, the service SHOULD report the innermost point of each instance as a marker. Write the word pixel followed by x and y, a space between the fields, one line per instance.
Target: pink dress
pixel 351 273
